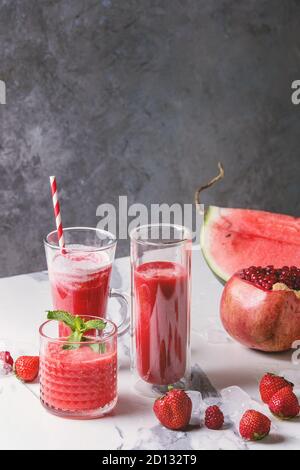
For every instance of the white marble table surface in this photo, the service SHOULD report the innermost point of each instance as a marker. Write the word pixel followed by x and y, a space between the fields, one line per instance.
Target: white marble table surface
pixel 222 363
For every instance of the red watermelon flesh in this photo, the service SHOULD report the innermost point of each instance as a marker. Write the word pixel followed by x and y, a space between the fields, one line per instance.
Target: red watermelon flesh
pixel 233 239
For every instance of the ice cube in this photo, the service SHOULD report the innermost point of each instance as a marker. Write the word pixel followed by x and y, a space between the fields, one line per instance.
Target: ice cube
pixel 212 401
pixel 235 402
pixel 197 401
pixel 200 405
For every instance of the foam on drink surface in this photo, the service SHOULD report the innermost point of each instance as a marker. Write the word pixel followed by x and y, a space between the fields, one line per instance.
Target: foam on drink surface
pixel 161 269
pixel 81 355
pixel 79 260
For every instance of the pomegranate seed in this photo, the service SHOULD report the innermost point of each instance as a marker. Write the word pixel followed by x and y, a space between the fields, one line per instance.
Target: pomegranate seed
pixel 268 276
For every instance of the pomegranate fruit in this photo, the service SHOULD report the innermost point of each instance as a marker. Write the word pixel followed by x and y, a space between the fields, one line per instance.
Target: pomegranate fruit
pixel 260 307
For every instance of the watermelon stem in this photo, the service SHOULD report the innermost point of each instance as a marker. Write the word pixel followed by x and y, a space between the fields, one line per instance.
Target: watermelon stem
pixel 208 185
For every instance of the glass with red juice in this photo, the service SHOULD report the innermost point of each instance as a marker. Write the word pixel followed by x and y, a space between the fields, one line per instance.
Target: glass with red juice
pixel 78 379
pixel 160 317
pixel 80 274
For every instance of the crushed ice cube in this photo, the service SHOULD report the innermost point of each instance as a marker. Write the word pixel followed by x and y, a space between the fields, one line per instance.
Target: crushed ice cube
pixel 197 402
pixel 235 402
pixel 235 393
pixel 212 401
pixel 200 405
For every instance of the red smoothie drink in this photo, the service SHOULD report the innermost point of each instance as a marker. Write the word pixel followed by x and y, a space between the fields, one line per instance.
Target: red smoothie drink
pixel 80 283
pixel 77 380
pixel 162 307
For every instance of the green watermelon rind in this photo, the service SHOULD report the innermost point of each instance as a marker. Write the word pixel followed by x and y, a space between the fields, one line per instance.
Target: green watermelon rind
pixel 210 216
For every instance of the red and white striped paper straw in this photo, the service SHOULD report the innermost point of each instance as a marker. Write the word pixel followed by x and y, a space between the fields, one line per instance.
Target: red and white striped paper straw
pixel 56 207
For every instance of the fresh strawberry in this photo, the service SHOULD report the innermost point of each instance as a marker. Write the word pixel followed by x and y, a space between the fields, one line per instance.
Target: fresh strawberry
pixel 174 409
pixel 254 426
pixel 27 368
pixel 214 418
pixel 6 358
pixel 271 384
pixel 284 404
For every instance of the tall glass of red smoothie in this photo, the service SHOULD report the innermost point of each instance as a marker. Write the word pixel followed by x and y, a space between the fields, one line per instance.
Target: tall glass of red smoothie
pixel 160 317
pixel 80 274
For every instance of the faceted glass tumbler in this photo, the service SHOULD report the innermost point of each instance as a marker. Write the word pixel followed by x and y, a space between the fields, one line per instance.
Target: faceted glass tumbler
pixel 78 379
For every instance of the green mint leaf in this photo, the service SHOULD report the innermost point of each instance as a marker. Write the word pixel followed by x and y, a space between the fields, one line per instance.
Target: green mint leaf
pixel 76 337
pixel 70 347
pixel 61 315
pixel 79 324
pixel 78 327
pixel 98 347
pixel 94 325
pixel 95 347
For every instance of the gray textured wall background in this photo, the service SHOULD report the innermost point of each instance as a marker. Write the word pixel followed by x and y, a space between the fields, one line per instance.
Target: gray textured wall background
pixel 142 98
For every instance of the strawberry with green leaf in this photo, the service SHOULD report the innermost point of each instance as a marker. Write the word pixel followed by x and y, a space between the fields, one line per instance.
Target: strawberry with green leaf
pixel 79 329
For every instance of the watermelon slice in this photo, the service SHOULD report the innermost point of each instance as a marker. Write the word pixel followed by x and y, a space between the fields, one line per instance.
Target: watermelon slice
pixel 232 239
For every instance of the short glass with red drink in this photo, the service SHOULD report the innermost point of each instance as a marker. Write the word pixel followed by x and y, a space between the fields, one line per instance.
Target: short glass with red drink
pixel 80 274
pixel 78 379
pixel 160 312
